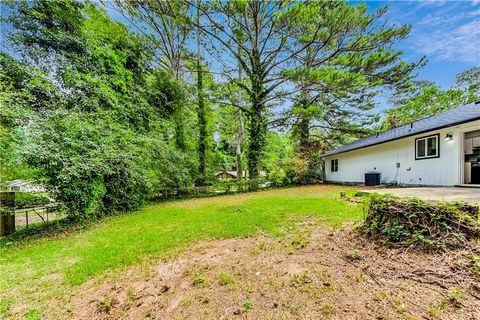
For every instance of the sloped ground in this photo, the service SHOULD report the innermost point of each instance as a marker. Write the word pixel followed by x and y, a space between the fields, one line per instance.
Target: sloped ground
pixel 314 273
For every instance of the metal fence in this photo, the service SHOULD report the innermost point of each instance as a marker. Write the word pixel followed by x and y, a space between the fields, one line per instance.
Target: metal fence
pixel 36 214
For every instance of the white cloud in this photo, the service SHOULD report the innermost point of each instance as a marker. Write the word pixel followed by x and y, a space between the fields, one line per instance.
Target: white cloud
pixel 452 42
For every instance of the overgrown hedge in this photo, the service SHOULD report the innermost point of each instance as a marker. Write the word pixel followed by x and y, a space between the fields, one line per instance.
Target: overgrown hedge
pixel 414 221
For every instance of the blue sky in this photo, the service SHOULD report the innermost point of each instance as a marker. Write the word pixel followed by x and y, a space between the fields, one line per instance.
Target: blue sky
pixel 447 32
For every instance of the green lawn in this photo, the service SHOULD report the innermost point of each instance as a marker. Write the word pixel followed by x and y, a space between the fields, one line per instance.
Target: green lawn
pixel 39 270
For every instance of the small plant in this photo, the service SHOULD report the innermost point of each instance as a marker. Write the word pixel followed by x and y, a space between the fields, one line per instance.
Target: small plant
pixel 359 278
pixel 185 302
pixel 199 278
pixel 247 305
pixel 327 309
pixel 399 304
pixel 105 305
pixel 353 255
pixel 475 262
pixel 433 310
pixel 294 309
pixel 261 246
pixel 225 279
pixel 33 315
pixel 454 295
pixel 300 241
pixel 298 280
pixel 378 296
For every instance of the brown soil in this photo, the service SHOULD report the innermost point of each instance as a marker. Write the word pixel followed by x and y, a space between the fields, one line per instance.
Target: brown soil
pixel 314 273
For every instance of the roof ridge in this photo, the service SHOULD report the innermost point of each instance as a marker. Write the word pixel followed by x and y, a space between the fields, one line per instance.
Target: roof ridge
pixel 429 124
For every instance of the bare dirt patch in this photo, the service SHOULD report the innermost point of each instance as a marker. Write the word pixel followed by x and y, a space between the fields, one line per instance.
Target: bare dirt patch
pixel 313 273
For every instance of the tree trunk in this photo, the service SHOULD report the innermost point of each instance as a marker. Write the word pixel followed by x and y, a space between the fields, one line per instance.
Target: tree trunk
pixel 202 123
pixel 303 130
pixel 258 123
pixel 179 134
pixel 241 134
pixel 238 150
pixel 257 131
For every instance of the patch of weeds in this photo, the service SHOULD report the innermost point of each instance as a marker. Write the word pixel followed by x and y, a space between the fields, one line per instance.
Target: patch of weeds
pixel 105 305
pixel 185 302
pixel 326 287
pixel 225 279
pixel 299 280
pixel 353 255
pixel 300 241
pixel 247 305
pixel 399 304
pixel 434 310
pixel 274 285
pixel 33 315
pixel 199 278
pixel 455 295
pixel 294 309
pixel 475 265
pixel 340 287
pixel 327 309
pixel 378 296
pixel 5 305
pixel 131 294
pixel 261 246
pixel 359 277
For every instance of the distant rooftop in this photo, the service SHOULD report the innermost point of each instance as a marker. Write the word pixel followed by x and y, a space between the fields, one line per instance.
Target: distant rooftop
pixel 452 117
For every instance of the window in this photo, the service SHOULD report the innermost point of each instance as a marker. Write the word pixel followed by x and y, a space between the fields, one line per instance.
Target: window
pixel 334 165
pixel 427 147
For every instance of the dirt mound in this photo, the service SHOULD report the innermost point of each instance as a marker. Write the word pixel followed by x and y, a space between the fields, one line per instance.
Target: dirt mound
pixel 313 273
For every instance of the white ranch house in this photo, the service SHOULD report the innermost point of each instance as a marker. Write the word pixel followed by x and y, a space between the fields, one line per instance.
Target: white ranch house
pixel 441 150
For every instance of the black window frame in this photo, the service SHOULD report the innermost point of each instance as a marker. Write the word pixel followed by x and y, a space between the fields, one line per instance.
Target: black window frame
pixel 334 165
pixel 437 135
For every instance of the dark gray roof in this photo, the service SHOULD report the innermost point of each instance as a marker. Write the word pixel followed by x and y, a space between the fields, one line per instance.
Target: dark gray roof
pixel 465 113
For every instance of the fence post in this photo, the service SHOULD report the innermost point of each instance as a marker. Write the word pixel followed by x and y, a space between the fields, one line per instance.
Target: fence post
pixel 7 213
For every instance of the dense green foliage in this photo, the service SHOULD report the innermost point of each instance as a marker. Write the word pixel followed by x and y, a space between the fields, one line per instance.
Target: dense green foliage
pixel 424 98
pixel 101 134
pixel 347 63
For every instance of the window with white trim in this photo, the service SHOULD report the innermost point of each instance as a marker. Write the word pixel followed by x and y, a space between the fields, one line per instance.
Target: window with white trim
pixel 427 147
pixel 334 165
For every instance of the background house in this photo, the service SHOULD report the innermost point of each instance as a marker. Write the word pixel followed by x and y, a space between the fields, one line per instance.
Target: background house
pixel 232 174
pixel 441 150
pixel 22 186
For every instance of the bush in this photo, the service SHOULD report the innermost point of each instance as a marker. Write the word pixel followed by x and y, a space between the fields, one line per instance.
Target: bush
pixel 414 221
pixel 93 167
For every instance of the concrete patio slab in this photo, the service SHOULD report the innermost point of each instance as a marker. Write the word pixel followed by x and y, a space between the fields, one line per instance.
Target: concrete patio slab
pixel 470 195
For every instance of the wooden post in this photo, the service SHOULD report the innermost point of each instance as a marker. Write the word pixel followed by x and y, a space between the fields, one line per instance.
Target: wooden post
pixel 7 213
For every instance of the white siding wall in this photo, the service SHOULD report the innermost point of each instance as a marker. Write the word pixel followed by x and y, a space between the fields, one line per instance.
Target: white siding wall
pixel 446 170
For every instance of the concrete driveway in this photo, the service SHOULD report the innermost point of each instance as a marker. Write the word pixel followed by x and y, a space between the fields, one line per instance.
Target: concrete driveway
pixel 470 195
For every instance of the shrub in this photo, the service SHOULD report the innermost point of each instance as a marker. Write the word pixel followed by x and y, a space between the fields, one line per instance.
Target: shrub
pixel 414 221
pixel 93 167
